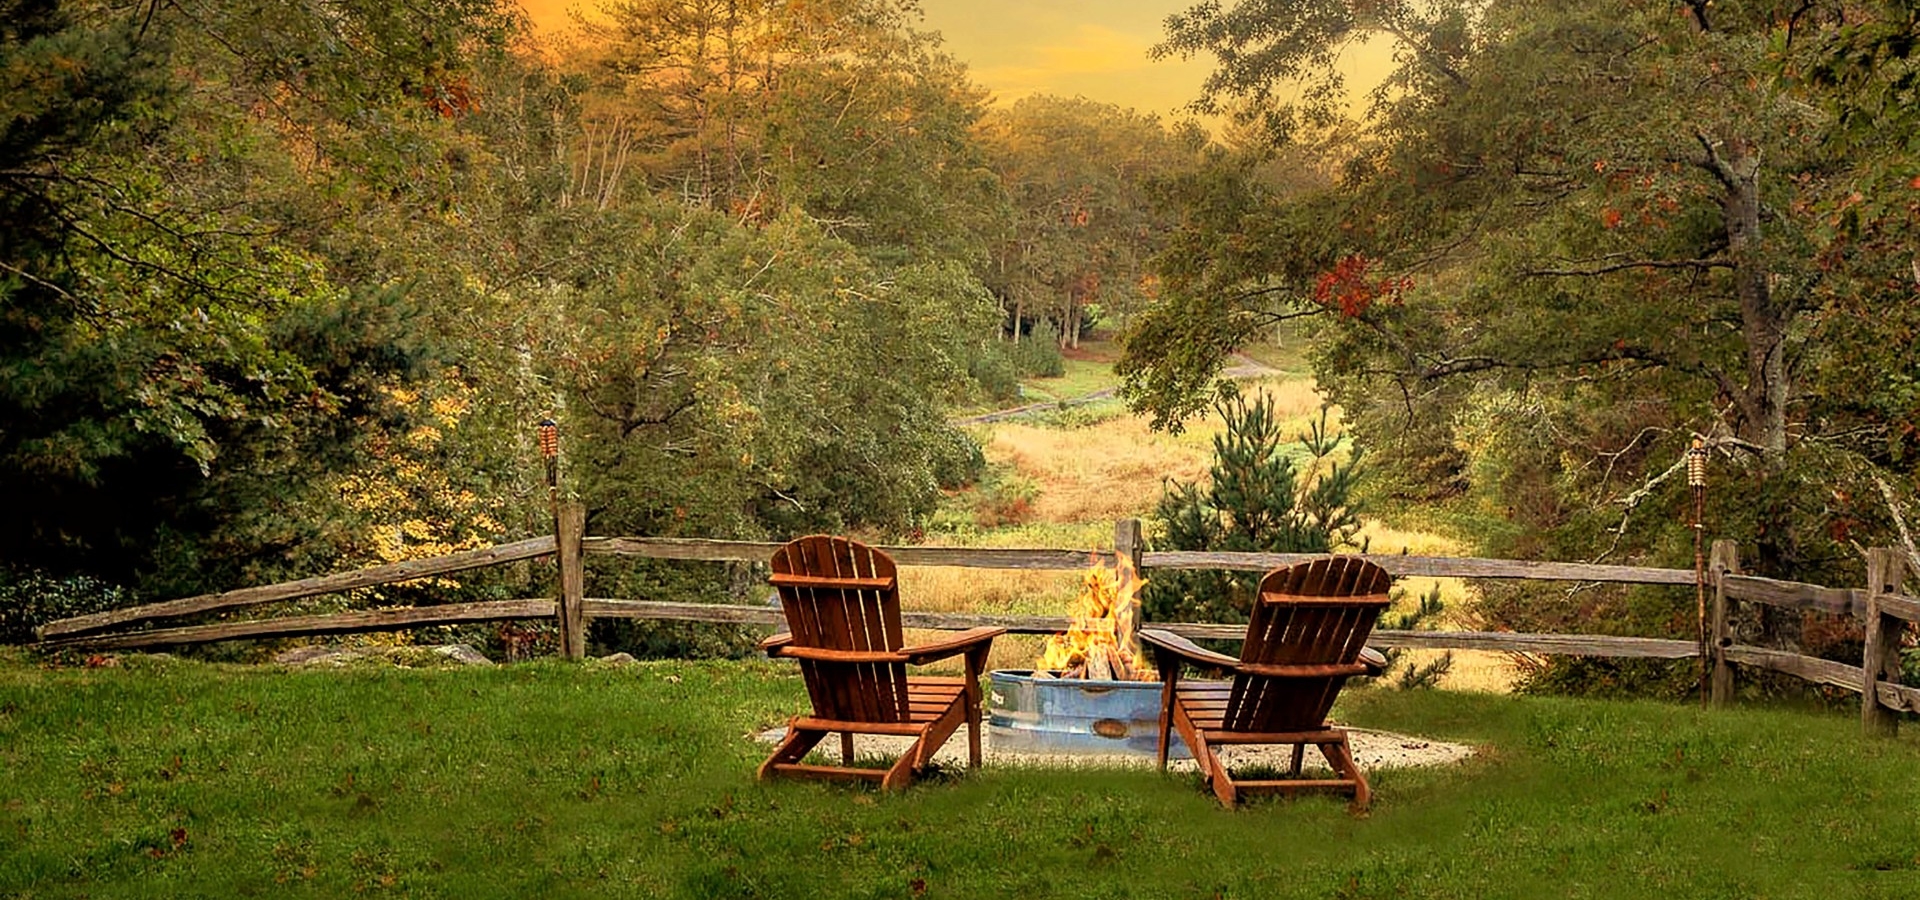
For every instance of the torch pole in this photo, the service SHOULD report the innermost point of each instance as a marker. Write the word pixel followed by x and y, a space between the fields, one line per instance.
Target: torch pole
pixel 1697 484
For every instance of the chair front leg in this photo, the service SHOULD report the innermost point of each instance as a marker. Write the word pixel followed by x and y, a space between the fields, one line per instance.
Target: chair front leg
pixel 1169 689
pixel 976 664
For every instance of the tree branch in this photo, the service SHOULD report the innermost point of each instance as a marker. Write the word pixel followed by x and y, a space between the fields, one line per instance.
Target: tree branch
pixel 1719 168
pixel 1470 364
pixel 1632 501
pixel 1900 522
pixel 1701 264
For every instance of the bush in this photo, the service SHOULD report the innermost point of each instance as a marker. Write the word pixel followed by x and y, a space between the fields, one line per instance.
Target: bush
pixel 958 461
pixel 1038 354
pixel 30 599
pixel 1005 499
pixel 993 369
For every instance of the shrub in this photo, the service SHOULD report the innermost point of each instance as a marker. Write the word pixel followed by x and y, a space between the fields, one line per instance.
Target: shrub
pixel 1006 499
pixel 1038 354
pixel 958 461
pixel 30 599
pixel 994 370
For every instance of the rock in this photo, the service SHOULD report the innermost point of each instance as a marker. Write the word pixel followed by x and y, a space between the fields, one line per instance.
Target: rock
pixel 404 657
pixel 463 654
pixel 317 654
pixel 619 659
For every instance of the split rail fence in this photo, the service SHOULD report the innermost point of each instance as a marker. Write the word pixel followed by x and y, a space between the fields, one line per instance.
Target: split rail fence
pixel 1884 611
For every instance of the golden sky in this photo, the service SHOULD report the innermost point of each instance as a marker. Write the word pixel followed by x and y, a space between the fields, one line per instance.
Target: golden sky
pixel 1090 48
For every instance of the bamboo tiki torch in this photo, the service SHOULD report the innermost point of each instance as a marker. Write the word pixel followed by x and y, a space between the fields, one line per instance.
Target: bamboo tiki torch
pixel 549 432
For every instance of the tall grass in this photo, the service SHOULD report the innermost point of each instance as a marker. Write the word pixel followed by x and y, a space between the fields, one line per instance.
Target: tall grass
pixel 183 780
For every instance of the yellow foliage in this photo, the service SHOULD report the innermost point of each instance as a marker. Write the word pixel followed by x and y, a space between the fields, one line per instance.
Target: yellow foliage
pixel 415 510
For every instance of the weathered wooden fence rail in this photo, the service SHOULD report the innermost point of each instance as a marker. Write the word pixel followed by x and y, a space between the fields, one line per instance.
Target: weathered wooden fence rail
pixel 1885 612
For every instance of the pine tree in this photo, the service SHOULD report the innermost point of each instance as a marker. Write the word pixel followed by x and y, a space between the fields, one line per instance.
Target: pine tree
pixel 1255 502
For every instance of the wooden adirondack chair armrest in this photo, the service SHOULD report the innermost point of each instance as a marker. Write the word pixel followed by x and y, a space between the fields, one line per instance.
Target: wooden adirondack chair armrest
pixel 921 654
pixel 781 645
pixel 830 582
pixel 1170 647
pixel 822 654
pixel 1374 660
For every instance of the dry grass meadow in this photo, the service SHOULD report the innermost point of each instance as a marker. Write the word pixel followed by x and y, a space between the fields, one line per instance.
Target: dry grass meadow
pixel 1084 477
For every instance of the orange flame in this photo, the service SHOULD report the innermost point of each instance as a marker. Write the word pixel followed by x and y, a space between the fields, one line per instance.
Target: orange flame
pixel 1099 642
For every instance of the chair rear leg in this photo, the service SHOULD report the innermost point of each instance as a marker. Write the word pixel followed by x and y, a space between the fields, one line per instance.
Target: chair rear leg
pixel 790 750
pixel 1340 756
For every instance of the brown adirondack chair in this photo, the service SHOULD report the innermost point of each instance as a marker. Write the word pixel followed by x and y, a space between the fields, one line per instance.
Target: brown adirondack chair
pixel 843 605
pixel 1307 635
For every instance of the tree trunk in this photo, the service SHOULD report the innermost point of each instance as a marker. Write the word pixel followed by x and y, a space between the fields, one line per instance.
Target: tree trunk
pixel 1763 318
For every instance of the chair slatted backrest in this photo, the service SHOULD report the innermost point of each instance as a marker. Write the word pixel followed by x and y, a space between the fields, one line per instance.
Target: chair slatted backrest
pixel 860 616
pixel 1314 614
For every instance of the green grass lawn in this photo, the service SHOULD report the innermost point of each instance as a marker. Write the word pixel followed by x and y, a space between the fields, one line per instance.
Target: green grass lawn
pixel 187 780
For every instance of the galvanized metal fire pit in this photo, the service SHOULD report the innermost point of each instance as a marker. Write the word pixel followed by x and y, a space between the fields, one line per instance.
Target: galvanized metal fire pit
pixel 1076 716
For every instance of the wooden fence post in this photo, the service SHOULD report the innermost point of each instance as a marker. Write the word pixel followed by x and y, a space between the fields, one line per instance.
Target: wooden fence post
pixel 1725 561
pixel 570 530
pixel 1882 647
pixel 1129 541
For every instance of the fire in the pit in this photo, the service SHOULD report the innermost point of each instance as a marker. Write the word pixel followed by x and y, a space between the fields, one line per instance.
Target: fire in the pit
pixel 1099 643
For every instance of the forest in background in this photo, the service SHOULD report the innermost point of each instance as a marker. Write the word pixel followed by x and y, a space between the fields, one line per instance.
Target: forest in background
pixel 286 285
pixel 1566 241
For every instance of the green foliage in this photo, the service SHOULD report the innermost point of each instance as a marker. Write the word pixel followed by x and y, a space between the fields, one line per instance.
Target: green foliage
pixel 1425 610
pixel 700 402
pixel 723 106
pixel 1079 416
pixel 186 371
pixel 1077 177
pixel 1566 240
pixel 993 370
pixel 30 599
pixel 1037 354
pixel 1254 502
